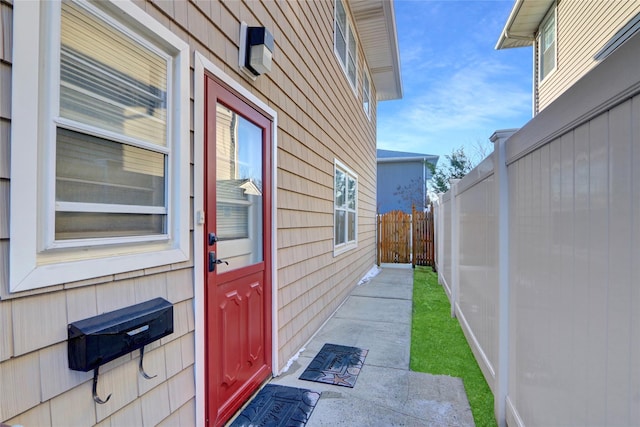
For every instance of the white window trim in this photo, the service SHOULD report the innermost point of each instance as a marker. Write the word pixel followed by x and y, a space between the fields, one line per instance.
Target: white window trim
pixel 33 84
pixel 366 107
pixel 335 48
pixel 552 13
pixel 344 247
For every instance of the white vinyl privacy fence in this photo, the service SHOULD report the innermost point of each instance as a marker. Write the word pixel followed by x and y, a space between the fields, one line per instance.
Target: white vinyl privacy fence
pixel 538 249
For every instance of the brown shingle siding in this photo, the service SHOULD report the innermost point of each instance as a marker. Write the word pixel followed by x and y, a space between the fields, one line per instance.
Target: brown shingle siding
pixel 316 130
pixel 81 303
pixel 198 24
pixel 75 407
pixel 155 405
pixel 19 385
pixel 118 382
pixel 130 415
pixel 149 287
pixel 155 365
pixel 37 416
pixel 179 285
pixel 39 321
pixel 55 375
pixel 181 389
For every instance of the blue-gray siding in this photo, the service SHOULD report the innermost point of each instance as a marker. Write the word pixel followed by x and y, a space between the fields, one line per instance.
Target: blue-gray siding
pixel 399 185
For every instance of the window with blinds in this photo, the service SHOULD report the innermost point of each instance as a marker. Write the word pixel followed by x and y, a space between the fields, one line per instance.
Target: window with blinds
pixel 238 176
pixel 111 140
pixel 101 125
pixel 345 43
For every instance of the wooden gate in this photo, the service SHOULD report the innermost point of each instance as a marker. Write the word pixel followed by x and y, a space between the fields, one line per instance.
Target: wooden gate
pixel 394 237
pixel 406 238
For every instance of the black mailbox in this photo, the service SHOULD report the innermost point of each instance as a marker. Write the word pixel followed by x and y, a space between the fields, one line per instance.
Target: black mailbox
pixel 97 340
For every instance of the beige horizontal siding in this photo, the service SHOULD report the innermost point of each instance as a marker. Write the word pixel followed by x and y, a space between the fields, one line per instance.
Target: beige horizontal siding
pixel 37 325
pixel 316 111
pixel 584 27
pixel 37 388
pixel 320 119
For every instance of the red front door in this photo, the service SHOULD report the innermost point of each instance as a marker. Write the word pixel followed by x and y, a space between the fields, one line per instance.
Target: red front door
pixel 237 250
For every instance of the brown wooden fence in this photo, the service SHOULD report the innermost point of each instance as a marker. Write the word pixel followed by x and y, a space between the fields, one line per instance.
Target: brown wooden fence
pixel 406 238
pixel 423 238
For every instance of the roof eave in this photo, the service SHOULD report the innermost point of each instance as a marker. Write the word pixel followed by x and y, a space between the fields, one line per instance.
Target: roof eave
pixel 376 24
pixel 523 22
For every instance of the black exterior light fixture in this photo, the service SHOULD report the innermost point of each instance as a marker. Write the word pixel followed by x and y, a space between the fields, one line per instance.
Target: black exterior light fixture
pixel 256 50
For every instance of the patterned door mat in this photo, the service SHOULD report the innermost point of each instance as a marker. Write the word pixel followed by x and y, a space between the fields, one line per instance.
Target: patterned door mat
pixel 336 364
pixel 278 406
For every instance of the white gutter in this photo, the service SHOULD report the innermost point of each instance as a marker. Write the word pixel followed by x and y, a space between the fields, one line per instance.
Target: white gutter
pixel 512 36
pixel 521 18
pixel 390 16
pixel 504 35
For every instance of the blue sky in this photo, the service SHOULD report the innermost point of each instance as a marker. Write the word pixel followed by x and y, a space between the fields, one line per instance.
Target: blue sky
pixel 457 88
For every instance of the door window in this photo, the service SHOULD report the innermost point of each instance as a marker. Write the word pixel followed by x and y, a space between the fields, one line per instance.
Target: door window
pixel 239 198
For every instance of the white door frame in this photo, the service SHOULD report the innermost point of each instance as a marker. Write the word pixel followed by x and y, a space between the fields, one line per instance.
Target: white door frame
pixel 202 65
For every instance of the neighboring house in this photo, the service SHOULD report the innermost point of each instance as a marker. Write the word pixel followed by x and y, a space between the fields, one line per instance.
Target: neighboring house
pixel 402 180
pixel 143 149
pixel 569 38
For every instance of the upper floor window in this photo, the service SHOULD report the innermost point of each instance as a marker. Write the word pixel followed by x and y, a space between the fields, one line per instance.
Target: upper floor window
pixel 547 45
pixel 345 208
pixel 344 43
pixel 109 143
pixel 366 94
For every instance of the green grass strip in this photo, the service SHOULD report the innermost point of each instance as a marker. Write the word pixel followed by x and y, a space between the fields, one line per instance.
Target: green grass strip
pixel 439 347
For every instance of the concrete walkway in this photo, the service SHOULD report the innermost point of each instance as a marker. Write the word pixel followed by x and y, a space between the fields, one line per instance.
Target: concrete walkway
pixel 377 316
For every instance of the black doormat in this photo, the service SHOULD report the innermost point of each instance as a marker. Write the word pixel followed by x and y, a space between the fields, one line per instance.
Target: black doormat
pixel 336 364
pixel 278 406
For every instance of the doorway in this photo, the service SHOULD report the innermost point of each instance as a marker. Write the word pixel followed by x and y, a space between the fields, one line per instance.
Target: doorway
pixel 237 250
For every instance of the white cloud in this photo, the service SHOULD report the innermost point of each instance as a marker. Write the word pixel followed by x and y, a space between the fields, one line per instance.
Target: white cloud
pixel 469 98
pixel 468 104
pixel 457 89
